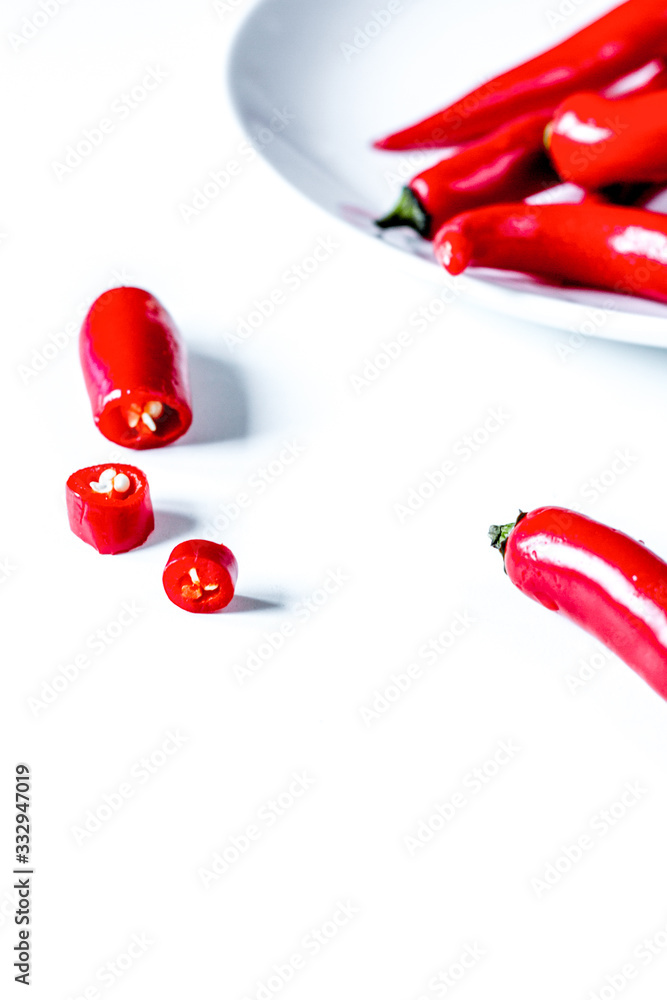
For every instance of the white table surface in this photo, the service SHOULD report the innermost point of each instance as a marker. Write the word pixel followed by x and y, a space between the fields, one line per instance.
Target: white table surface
pixel 135 906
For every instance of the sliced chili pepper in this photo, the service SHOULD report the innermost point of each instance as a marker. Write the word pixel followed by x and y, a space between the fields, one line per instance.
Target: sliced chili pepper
pixel 605 581
pixel 593 244
pixel 593 142
pixel 508 165
pixel 200 576
pixel 610 47
pixel 135 370
pixel 109 507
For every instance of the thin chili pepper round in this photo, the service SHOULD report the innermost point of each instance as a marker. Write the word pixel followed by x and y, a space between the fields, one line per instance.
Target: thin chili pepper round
pixel 593 244
pixel 200 576
pixel 109 507
pixel 135 370
pixel 608 583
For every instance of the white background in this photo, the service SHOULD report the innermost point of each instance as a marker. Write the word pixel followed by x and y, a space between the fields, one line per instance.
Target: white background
pixel 117 218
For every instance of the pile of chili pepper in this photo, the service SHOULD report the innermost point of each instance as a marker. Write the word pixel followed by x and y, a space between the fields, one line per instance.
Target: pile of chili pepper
pixel 135 369
pixel 591 111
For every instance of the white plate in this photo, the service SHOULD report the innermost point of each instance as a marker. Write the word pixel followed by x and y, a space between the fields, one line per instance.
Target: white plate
pixel 344 73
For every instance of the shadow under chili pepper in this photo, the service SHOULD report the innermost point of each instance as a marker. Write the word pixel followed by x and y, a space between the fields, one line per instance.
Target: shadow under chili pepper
pixel 169 524
pixel 241 603
pixel 219 402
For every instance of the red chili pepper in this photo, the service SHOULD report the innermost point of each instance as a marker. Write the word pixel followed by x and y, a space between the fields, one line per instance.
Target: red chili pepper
pixel 109 507
pixel 610 47
pixel 594 244
pixel 508 165
pixel 135 370
pixel 200 576
pixel 594 142
pixel 600 578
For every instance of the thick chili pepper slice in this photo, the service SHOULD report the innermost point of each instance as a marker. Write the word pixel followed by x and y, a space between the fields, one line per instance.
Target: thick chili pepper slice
pixel 200 576
pixel 508 165
pixel 593 244
pixel 135 370
pixel 594 142
pixel 109 507
pixel 616 43
pixel 605 581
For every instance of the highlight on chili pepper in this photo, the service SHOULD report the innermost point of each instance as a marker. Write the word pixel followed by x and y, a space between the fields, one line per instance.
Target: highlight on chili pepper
pixel 109 507
pixel 200 576
pixel 606 582
pixel 615 44
pixel 593 243
pixel 135 370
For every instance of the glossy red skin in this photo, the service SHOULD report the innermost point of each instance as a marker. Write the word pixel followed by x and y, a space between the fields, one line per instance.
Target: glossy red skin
pixel 635 149
pixel 584 595
pixel 131 352
pixel 508 165
pixel 593 244
pixel 111 523
pixel 214 564
pixel 652 76
pixel 614 45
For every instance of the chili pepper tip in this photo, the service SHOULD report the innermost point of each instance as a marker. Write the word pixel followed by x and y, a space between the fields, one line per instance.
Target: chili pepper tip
pixel 394 143
pixel 452 249
pixel 416 138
